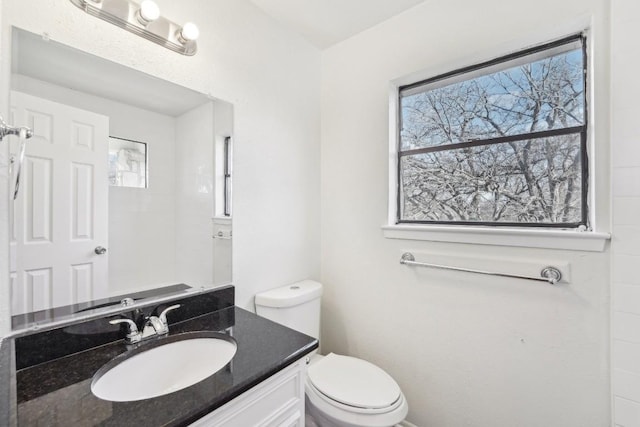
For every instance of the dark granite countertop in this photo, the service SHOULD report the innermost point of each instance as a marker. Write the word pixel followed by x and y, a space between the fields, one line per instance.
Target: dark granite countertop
pixel 58 392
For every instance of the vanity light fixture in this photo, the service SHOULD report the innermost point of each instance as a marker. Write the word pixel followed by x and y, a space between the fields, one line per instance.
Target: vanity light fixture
pixel 144 19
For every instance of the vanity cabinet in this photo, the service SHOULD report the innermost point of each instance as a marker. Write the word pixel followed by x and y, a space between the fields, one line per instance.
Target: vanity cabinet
pixel 276 402
pixel 258 387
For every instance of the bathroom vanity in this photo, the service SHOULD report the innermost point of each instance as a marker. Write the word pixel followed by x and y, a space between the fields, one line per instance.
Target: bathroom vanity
pixel 46 377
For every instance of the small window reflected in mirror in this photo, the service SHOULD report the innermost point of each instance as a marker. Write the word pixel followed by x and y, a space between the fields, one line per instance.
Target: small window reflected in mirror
pixel 127 163
pixel 227 176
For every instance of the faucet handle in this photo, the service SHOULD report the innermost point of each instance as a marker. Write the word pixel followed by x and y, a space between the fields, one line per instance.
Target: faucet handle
pixel 133 335
pixel 163 315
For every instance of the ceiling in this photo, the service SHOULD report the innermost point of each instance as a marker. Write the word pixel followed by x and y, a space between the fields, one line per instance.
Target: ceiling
pixel 327 22
pixel 322 22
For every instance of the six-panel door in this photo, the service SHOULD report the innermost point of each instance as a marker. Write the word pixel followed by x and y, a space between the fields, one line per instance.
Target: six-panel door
pixel 61 213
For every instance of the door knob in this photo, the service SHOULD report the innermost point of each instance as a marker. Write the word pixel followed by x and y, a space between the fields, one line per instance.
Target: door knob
pixel 100 250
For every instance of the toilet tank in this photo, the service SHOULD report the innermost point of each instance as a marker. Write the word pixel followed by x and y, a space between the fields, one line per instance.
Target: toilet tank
pixel 296 306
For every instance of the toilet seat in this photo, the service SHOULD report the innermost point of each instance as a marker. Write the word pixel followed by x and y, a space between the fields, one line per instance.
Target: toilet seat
pixel 353 382
pixel 328 395
pixel 326 401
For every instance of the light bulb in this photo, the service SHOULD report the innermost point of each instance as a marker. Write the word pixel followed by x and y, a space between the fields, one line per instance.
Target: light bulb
pixel 148 12
pixel 189 32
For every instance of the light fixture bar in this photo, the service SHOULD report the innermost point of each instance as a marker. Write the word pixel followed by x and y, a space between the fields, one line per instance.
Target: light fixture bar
pixel 126 14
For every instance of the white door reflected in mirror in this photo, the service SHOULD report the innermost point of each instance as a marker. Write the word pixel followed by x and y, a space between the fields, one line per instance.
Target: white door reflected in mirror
pixel 62 211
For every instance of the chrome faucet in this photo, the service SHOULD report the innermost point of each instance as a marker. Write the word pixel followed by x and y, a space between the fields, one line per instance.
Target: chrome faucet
pixel 152 326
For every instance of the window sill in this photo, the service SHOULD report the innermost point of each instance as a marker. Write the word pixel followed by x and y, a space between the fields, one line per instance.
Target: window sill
pixel 221 220
pixel 588 241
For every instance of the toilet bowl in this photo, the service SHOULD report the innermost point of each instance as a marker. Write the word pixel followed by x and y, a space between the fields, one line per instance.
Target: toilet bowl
pixel 341 391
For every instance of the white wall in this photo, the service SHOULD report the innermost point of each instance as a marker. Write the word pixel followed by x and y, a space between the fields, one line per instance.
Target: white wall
pixel 142 223
pixel 271 76
pixel 5 291
pixel 467 350
pixel 626 212
pixel 195 196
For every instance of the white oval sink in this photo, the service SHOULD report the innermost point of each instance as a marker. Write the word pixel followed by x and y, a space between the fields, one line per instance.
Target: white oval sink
pixel 161 367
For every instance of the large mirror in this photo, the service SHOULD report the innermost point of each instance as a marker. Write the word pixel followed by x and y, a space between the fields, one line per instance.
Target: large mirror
pixel 125 186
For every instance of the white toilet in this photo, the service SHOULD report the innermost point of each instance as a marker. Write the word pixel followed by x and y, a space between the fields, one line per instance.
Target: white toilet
pixel 341 391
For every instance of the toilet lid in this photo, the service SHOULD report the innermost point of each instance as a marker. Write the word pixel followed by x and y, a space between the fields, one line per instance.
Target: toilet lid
pixel 353 382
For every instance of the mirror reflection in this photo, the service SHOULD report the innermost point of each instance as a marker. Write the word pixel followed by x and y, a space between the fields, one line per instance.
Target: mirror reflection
pixel 127 163
pixel 166 218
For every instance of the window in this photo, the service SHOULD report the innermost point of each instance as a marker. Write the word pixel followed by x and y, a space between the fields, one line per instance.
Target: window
pixel 227 176
pixel 127 163
pixel 502 143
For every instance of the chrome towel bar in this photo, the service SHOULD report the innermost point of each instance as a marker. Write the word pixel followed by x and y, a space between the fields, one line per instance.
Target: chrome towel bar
pixel 551 275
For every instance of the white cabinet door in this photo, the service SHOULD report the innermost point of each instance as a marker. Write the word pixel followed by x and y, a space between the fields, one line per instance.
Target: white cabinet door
pixel 276 402
pixel 61 213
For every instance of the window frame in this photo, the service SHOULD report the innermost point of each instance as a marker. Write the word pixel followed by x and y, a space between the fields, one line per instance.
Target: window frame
pixel 226 212
pixel 470 72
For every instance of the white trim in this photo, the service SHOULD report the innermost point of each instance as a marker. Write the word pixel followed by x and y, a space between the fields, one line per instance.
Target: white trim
pixel 222 220
pixel 567 239
pixel 533 39
pixel 394 111
pixel 497 67
pixel 588 241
